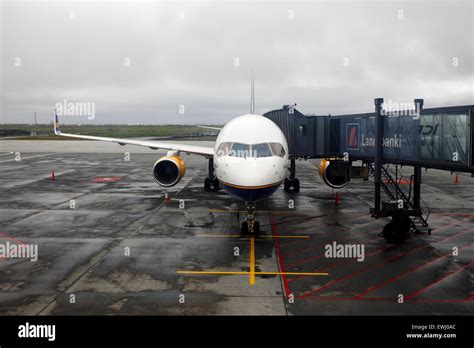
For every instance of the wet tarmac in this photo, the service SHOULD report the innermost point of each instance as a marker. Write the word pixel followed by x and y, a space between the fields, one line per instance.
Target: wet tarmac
pixel 109 244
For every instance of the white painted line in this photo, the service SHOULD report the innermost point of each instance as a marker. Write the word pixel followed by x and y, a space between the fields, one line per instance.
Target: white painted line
pixel 6 154
pixel 24 158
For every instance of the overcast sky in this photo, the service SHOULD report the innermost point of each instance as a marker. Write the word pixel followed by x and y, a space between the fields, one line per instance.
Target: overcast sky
pixel 186 54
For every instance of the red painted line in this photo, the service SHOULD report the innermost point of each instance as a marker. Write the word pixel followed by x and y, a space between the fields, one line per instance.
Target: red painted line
pixel 105 179
pixel 300 262
pixel 6 236
pixel 280 259
pixel 449 300
pixel 345 261
pixel 296 240
pixel 327 242
pixel 342 262
pixel 351 275
pixel 416 293
pixel 401 275
pixel 329 298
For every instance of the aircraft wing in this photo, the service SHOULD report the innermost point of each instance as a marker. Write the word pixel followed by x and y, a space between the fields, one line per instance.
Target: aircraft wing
pixel 152 144
pixel 209 127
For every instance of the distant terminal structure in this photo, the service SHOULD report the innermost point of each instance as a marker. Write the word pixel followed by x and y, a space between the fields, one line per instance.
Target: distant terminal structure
pixel 439 138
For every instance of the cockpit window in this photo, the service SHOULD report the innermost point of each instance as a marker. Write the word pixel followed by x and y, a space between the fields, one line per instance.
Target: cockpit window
pixel 240 150
pixel 277 149
pixel 261 150
pixel 223 149
pixel 246 150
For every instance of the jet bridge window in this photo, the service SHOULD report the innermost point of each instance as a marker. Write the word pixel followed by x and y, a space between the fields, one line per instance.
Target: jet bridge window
pixel 239 150
pixel 261 150
pixel 277 149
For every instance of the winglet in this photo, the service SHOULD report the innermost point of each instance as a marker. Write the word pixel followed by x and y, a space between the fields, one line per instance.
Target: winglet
pixel 57 131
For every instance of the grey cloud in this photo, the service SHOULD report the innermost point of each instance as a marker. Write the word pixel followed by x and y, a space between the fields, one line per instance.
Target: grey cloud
pixel 190 61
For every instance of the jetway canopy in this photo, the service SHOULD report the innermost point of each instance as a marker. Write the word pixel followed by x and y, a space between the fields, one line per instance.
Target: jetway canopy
pixel 436 138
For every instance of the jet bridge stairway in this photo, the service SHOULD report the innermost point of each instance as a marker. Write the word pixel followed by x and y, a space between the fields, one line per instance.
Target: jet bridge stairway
pixel 408 211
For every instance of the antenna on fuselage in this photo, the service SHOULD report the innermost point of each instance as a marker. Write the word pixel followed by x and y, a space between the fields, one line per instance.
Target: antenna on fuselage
pixel 252 96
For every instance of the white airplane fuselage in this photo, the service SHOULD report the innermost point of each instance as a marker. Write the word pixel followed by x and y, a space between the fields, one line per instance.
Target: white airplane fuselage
pixel 250 157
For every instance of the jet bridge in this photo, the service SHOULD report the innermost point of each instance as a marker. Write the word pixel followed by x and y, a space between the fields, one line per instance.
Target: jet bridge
pixel 384 140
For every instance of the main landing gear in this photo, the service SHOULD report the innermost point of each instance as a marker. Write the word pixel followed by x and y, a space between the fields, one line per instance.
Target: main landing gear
pixel 292 183
pixel 211 183
pixel 397 230
pixel 250 225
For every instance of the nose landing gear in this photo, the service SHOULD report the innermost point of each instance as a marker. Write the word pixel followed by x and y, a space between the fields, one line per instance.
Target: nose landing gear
pixel 292 183
pixel 211 183
pixel 250 226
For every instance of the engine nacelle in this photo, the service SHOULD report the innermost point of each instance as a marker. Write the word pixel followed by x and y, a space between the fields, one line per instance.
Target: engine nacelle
pixel 169 170
pixel 335 174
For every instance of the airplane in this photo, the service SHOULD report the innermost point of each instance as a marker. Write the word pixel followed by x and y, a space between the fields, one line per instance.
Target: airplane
pixel 249 160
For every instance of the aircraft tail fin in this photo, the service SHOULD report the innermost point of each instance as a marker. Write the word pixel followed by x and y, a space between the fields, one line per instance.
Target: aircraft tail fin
pixel 252 94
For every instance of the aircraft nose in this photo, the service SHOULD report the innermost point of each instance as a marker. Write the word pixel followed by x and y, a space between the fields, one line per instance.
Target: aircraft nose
pixel 254 171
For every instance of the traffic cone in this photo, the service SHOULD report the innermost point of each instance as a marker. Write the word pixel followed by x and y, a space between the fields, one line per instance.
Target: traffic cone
pixel 167 198
pixel 53 176
pixel 456 179
pixel 338 199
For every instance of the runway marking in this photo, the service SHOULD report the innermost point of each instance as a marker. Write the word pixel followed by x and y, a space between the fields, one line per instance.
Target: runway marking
pixel 6 154
pixel 257 211
pixel 437 281
pixel 376 265
pixel 249 273
pixel 280 258
pixel 24 158
pixel 252 261
pixel 403 274
pixel 243 237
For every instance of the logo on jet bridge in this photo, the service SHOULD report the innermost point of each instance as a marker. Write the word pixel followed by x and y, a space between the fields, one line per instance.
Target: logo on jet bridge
pixel 352 133
pixel 393 141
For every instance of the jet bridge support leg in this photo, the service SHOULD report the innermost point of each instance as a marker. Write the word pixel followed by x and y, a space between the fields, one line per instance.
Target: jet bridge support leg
pixel 211 183
pixel 404 208
pixel 292 183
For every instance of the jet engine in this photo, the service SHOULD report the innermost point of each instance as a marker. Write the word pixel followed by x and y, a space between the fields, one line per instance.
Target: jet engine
pixel 169 170
pixel 335 174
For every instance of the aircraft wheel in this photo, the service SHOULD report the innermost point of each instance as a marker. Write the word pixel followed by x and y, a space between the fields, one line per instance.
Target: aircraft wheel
pixel 207 184
pixel 296 185
pixel 216 185
pixel 256 228
pixel 396 231
pixel 245 228
pixel 286 185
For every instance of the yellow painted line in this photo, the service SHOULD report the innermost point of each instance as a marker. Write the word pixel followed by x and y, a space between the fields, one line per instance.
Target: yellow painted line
pixel 211 272
pixel 295 273
pixel 252 261
pixel 240 236
pixel 300 237
pixel 257 211
pixel 219 235
pixel 247 273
